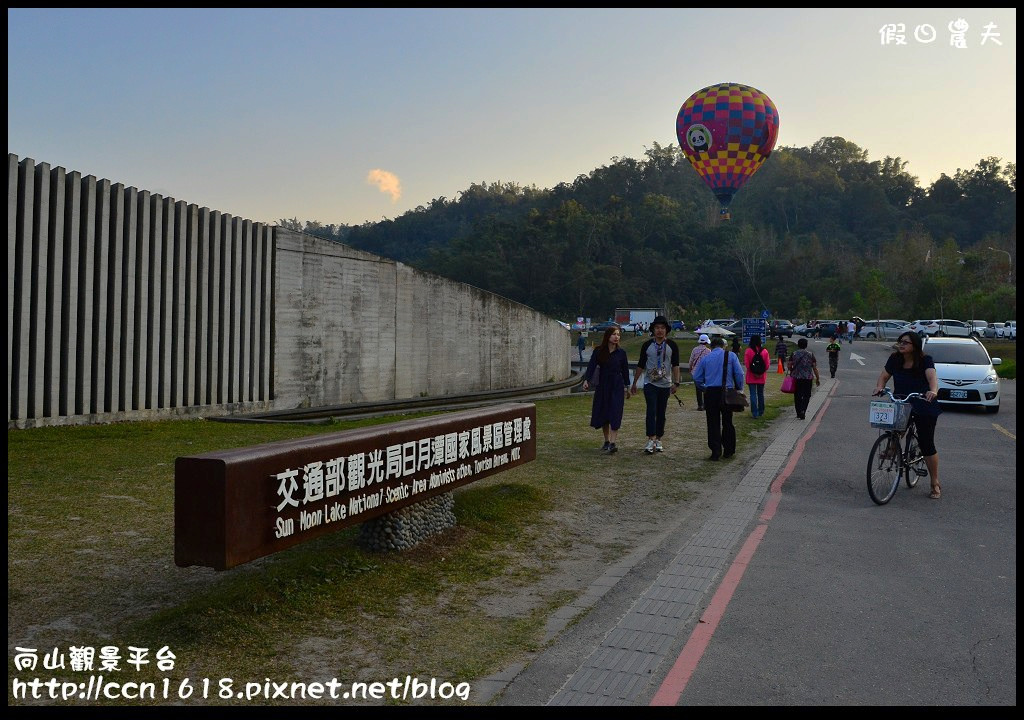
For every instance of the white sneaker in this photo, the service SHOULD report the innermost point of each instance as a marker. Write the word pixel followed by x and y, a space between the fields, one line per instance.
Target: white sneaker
pixel 649 447
pixel 658 447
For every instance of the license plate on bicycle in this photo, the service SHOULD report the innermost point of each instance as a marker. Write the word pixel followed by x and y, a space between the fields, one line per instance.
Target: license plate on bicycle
pixel 958 394
pixel 882 414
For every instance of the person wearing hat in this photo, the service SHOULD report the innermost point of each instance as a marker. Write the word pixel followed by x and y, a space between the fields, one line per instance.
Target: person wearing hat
pixel 659 364
pixel 699 352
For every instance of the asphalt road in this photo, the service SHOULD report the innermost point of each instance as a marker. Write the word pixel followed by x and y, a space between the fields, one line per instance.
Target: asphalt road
pixel 826 598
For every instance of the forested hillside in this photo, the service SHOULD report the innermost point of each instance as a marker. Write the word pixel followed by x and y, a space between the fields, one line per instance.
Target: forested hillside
pixel 817 232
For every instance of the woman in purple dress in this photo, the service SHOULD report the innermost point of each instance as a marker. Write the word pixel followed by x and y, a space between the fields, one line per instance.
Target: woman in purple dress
pixel 608 373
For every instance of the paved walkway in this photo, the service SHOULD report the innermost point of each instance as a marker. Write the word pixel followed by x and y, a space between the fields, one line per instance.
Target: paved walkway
pixel 634 652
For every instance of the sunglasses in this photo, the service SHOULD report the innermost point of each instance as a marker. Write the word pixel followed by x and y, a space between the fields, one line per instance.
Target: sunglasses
pixel 904 342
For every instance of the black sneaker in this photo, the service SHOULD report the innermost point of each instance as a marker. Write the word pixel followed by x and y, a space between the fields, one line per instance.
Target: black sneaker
pixel 604 448
pixel 612 449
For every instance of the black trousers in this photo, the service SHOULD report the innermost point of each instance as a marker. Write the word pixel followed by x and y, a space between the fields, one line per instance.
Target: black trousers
pixel 721 431
pixel 802 396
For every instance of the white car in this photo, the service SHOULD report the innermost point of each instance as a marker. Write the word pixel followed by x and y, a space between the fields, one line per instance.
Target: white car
pixel 883 329
pixel 1008 331
pixel 993 330
pixel 966 373
pixel 720 322
pixel 944 327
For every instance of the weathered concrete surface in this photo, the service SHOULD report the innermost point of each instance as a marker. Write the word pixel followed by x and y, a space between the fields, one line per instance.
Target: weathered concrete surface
pixel 355 327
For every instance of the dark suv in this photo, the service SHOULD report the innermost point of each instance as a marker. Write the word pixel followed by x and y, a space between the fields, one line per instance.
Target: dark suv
pixel 827 328
pixel 778 328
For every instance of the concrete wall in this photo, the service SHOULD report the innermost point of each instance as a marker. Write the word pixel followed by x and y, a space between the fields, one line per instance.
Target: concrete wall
pixel 126 305
pixel 355 327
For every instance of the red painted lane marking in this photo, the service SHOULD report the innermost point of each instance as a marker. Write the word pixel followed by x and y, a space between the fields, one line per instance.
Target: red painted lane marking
pixel 678 677
pixel 675 682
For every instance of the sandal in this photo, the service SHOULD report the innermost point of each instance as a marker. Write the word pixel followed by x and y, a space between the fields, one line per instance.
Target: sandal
pixel 936 492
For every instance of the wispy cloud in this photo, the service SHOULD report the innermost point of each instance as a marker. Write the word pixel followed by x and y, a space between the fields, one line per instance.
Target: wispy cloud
pixel 386 182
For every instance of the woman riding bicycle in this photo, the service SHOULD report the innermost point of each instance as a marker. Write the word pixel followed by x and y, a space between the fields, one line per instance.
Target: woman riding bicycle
pixel 913 371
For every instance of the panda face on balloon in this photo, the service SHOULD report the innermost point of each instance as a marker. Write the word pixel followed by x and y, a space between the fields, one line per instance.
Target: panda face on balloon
pixel 698 138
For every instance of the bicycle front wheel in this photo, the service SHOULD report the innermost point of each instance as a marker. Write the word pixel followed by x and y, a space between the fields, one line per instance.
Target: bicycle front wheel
pixel 885 465
pixel 914 467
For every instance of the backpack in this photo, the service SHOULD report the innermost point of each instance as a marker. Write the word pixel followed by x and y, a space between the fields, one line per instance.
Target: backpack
pixel 757 364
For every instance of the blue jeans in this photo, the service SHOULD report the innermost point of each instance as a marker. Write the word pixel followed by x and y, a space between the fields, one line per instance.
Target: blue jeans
pixel 756 399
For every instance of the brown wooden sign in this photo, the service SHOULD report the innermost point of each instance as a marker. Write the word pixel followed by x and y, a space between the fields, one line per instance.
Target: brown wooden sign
pixel 238 505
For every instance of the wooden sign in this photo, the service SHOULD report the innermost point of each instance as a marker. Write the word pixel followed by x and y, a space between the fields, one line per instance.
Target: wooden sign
pixel 238 505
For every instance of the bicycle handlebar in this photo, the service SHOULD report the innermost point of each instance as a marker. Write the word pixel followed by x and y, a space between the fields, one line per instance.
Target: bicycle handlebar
pixel 908 398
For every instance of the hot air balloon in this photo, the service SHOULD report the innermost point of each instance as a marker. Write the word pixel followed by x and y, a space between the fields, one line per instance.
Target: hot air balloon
pixel 727 131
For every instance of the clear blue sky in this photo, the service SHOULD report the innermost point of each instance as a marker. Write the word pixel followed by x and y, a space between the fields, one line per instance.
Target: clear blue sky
pixel 355 115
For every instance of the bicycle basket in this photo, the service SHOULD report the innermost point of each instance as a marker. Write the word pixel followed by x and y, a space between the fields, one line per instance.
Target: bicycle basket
pixel 889 415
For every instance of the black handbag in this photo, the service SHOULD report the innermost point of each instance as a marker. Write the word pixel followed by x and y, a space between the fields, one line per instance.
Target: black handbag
pixel 732 399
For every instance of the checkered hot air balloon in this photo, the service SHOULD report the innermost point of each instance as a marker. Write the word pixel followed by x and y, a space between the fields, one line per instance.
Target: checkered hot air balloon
pixel 727 131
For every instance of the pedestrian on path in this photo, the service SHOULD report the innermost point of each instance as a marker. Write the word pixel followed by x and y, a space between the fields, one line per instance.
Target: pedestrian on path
pixel 700 351
pixel 781 352
pixel 756 360
pixel 659 364
pixel 581 344
pixel 608 371
pixel 718 371
pixel 833 349
pixel 803 366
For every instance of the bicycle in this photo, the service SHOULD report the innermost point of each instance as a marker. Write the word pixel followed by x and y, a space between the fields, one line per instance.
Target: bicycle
pixel 888 461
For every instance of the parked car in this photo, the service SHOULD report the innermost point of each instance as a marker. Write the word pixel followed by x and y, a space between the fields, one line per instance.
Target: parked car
pixel 678 325
pixel 994 330
pixel 979 325
pixel 883 329
pixel 826 329
pixel 965 371
pixel 944 327
pixel 1008 331
pixel 602 326
pixel 778 328
pixel 720 322
pixel 808 330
